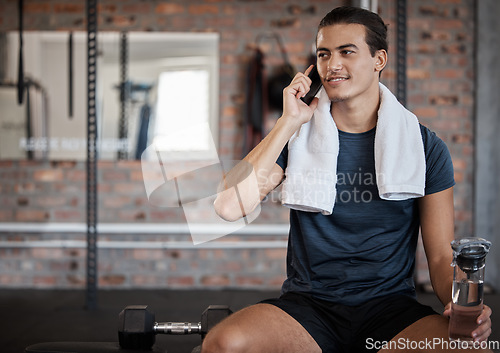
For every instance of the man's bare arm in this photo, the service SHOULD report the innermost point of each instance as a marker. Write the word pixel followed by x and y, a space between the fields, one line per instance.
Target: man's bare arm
pixel 437 222
pixel 242 188
pixel 437 225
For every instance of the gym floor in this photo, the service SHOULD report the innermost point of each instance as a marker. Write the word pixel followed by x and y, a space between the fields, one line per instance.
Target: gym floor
pixel 36 316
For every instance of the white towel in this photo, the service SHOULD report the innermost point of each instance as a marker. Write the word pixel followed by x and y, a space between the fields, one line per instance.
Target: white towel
pixel 311 173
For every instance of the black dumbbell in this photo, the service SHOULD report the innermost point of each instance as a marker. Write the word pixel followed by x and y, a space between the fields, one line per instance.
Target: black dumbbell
pixel 137 326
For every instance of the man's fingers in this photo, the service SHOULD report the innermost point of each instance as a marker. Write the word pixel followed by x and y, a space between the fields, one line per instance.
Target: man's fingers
pixel 481 336
pixel 447 310
pixel 314 103
pixel 485 314
pixel 308 71
pixel 300 85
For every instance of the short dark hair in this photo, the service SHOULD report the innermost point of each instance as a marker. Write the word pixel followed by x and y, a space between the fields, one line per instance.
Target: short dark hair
pixel 376 29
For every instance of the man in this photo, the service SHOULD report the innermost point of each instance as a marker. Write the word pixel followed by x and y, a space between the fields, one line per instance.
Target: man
pixel 349 285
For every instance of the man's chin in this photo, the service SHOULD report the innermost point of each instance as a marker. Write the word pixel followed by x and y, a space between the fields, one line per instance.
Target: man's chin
pixel 338 99
pixel 335 97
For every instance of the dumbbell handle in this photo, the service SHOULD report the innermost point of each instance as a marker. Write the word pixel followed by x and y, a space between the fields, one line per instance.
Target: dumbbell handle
pixel 177 328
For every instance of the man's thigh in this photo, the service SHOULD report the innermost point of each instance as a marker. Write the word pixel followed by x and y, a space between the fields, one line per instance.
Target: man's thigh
pixel 259 328
pixel 429 334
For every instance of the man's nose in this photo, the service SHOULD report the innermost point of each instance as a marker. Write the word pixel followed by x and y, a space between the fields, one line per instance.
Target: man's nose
pixel 335 64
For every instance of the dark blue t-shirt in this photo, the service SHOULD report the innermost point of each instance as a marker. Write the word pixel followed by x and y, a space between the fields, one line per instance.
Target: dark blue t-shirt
pixel 366 248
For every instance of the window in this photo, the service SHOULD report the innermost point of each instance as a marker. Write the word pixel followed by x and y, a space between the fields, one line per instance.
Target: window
pixel 182 69
pixel 185 64
pixel 185 125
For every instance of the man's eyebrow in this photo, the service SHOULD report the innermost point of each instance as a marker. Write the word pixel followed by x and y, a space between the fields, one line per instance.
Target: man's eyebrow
pixel 345 46
pixel 340 47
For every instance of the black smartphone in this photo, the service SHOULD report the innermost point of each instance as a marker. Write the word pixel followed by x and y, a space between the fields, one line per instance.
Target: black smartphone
pixel 315 86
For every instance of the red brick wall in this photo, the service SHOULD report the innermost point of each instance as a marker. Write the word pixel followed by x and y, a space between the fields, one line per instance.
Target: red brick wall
pixel 54 192
pixel 440 92
pixel 34 191
pixel 141 268
pixel 441 87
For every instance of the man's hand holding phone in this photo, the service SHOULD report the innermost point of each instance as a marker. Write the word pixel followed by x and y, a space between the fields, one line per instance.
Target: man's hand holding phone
pixel 303 87
pixel 315 86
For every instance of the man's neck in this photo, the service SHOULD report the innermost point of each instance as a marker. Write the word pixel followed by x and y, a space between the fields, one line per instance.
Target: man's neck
pixel 356 116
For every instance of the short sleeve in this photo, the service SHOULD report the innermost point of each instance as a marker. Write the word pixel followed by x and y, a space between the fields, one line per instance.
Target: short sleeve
pixel 282 160
pixel 439 165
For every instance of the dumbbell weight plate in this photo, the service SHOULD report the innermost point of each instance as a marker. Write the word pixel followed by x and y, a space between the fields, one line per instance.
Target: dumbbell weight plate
pixel 212 316
pixel 135 327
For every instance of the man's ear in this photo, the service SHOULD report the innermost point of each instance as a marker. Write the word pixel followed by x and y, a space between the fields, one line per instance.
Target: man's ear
pixel 381 60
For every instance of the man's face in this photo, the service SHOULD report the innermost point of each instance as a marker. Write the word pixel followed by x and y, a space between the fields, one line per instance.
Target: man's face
pixel 345 63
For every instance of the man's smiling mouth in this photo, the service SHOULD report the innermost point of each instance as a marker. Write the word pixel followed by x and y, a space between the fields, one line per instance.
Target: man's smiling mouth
pixel 336 79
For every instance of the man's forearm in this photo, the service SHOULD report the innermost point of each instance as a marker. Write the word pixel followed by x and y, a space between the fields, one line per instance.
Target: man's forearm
pixel 250 180
pixel 263 157
pixel 442 279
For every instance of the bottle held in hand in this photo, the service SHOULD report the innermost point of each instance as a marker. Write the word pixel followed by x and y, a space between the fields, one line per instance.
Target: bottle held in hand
pixel 469 257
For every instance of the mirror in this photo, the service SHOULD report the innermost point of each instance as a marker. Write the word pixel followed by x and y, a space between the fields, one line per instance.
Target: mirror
pixel 153 87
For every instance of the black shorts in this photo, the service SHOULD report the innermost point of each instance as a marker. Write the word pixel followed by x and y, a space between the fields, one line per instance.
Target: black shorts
pixel 341 328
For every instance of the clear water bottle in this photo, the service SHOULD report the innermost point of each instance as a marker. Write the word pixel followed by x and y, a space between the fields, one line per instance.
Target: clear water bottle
pixel 469 258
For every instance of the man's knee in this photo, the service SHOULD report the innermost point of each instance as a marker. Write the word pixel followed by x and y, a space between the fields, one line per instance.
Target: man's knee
pixel 259 328
pixel 224 339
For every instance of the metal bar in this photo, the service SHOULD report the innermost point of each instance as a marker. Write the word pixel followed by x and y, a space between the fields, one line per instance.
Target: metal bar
pixel 29 121
pixel 91 293
pixel 70 74
pixel 371 5
pixel 20 69
pixel 124 93
pixel 147 228
pixel 162 245
pixel 401 52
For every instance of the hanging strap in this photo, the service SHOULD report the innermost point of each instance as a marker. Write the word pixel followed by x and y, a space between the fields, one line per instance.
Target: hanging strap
pixel 256 102
pixel 20 72
pixel 273 35
pixel 70 74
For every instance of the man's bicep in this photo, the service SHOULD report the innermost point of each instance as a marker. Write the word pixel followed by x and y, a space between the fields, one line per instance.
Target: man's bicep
pixel 437 221
pixel 437 225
